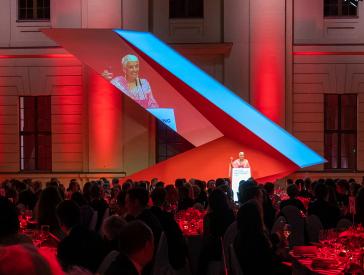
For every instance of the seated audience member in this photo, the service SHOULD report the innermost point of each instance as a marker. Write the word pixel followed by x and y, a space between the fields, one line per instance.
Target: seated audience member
pixel 202 196
pixel 86 191
pixel 27 199
pixel 73 186
pixel 171 202
pixel 328 214
pixel 36 187
pixel 86 210
pixel 9 224
pixel 136 250
pixel 120 201
pixel 342 190
pixel 252 245
pixel 215 223
pixel 179 183
pixel 306 188
pixel 269 212
pixel 80 247
pixel 245 188
pixel 249 190
pixel 26 259
pixel 45 212
pixel 360 206
pixel 111 228
pixel 184 201
pixel 98 203
pixel 115 183
pixel 136 203
pixel 159 184
pixel 292 192
pixel 128 184
pixel 210 186
pixel 177 247
pixel 276 200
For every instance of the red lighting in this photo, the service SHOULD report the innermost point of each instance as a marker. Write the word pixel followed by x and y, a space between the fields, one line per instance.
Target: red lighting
pixel 328 53
pixel 55 55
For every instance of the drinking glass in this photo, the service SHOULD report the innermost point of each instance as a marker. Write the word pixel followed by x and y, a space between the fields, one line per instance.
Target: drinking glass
pixel 44 232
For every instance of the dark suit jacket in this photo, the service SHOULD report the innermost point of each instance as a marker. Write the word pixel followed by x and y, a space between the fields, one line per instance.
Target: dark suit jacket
pixel 177 246
pixel 121 266
pixel 328 214
pixel 81 247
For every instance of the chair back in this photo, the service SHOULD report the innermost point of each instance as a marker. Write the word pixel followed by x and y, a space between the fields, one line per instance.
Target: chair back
pixel 228 239
pixel 344 224
pixel 107 261
pixel 161 260
pixel 313 227
pixel 93 222
pixel 297 222
pixel 235 265
pixel 278 224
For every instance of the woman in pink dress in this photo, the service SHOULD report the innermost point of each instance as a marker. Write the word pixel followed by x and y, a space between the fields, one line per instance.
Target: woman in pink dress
pixel 138 89
pixel 241 162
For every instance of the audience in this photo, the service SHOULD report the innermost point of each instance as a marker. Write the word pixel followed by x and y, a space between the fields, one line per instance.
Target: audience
pixel 126 242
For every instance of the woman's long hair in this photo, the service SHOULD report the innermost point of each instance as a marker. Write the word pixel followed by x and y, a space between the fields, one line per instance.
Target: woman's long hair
pixel 48 201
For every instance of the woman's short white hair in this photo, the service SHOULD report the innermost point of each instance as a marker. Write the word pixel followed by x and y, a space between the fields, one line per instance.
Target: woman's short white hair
pixel 129 58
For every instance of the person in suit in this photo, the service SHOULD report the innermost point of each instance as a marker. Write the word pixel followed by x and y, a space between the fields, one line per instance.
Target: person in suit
pixel 252 245
pixel 329 214
pixel 293 192
pixel 136 203
pixel 177 247
pixel 81 247
pixel 136 250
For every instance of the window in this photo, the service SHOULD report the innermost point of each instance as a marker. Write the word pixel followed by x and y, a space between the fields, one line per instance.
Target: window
pixel 340 131
pixel 33 9
pixel 35 133
pixel 169 143
pixel 186 8
pixel 340 8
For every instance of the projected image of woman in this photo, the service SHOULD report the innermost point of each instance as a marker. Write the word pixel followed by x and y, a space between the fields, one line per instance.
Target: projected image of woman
pixel 137 88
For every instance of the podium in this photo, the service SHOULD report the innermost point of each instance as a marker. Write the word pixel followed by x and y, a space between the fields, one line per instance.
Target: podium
pixel 237 175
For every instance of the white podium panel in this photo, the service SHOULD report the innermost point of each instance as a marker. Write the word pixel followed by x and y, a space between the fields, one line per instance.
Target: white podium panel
pixel 237 175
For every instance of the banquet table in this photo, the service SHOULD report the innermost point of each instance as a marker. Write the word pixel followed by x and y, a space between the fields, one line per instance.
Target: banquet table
pixel 337 253
pixel 303 265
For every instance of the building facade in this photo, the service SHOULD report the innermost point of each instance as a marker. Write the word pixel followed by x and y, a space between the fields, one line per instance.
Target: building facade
pixel 299 62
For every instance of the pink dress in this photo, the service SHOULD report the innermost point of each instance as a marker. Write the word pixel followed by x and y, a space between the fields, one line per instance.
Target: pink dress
pixel 141 93
pixel 238 164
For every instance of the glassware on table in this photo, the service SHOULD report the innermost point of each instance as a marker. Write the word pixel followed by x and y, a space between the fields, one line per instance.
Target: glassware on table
pixel 287 230
pixel 44 232
pixel 28 214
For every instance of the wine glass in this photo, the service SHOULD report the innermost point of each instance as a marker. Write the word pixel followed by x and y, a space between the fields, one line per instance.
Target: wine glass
pixel 28 214
pixel 287 230
pixel 44 232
